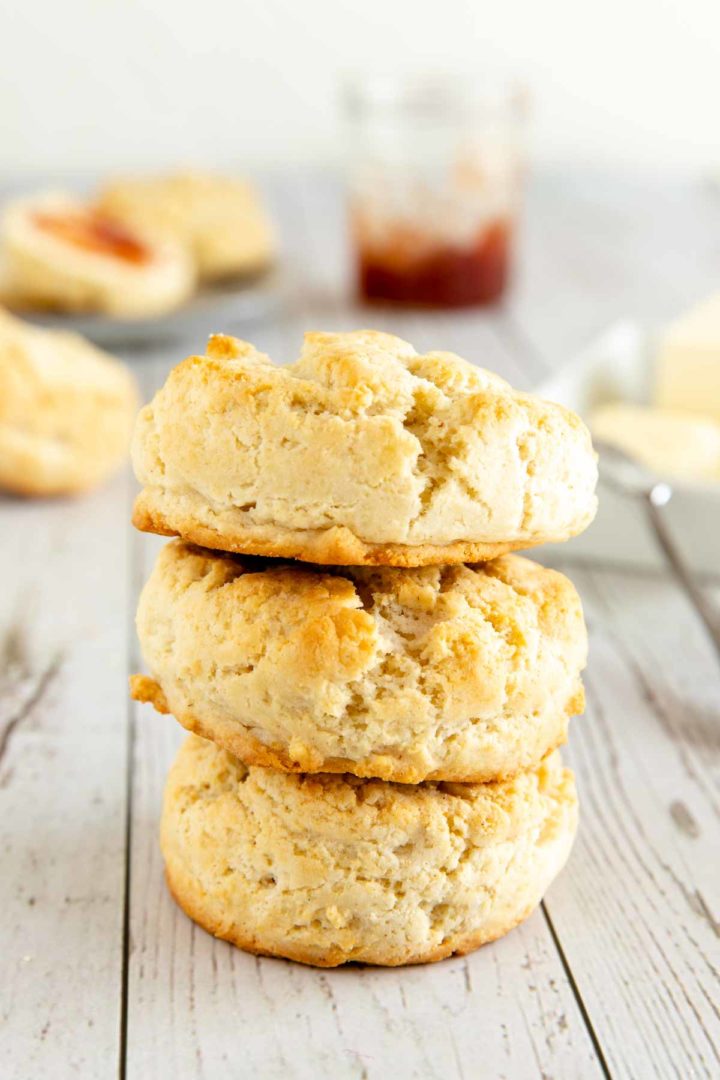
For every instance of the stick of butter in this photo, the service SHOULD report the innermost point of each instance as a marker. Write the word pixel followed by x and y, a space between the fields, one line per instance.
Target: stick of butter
pixel 688 363
pixel 672 444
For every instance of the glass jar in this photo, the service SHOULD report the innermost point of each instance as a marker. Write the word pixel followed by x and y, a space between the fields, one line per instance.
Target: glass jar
pixel 435 180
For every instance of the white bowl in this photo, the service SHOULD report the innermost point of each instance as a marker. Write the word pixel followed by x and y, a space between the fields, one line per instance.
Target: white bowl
pixel 618 367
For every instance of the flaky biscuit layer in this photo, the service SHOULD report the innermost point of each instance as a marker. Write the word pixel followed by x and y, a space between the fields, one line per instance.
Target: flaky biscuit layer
pixel 361 452
pixel 454 673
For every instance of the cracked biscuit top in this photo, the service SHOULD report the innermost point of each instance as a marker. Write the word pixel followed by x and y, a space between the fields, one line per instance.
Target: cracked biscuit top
pixel 361 452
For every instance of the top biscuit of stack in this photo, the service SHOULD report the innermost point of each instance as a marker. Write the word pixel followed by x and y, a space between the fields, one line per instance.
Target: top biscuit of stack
pixel 362 452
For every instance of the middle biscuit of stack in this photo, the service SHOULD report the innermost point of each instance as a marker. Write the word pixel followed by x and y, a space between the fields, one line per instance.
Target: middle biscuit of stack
pixel 462 673
pixel 379 781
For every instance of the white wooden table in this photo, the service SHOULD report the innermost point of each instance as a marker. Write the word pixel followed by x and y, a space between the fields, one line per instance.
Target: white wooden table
pixel 617 973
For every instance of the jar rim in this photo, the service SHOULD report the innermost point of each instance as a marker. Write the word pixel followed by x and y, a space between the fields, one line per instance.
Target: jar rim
pixel 433 95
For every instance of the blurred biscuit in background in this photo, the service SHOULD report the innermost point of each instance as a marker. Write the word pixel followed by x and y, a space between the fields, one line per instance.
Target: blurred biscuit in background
pixel 58 253
pixel 219 219
pixel 66 411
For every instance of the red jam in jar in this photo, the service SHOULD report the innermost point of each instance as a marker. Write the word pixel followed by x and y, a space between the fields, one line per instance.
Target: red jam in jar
pixel 408 270
pixel 93 233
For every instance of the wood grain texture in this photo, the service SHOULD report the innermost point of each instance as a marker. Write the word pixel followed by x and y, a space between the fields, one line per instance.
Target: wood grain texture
pixel 63 732
pixel 638 915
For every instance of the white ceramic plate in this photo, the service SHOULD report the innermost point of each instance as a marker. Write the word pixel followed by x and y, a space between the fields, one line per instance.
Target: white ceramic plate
pixel 618 367
pixel 218 308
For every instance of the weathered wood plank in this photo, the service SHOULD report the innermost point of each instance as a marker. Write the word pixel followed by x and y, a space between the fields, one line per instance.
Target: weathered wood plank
pixel 638 913
pixel 63 738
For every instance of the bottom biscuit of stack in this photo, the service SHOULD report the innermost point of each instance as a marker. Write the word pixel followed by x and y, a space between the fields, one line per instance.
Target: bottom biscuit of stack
pixel 326 869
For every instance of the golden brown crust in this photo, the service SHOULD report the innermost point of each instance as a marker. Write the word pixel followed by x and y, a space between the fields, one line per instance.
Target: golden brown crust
pixel 333 547
pixel 329 869
pixel 242 744
pixel 457 945
pixel 462 673
pixel 147 692
pixel 362 452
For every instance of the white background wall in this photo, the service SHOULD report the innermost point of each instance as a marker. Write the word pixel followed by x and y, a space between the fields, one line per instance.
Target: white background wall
pixel 99 83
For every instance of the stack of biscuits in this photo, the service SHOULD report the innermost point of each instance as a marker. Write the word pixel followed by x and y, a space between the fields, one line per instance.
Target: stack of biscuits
pixel 376 688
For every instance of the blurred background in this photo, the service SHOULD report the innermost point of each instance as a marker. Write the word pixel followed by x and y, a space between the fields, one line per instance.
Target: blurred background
pixel 564 181
pixel 127 83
